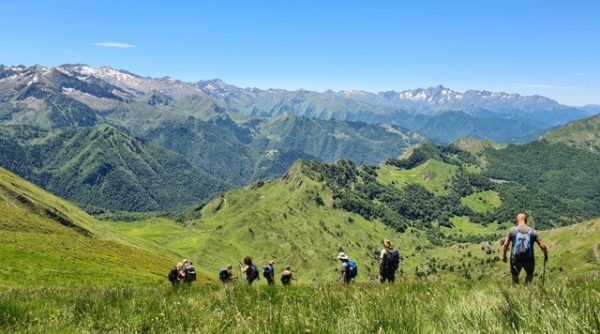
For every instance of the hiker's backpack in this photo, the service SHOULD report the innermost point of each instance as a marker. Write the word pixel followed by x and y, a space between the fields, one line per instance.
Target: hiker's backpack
pixel 190 274
pixel 267 272
pixel 224 275
pixel 352 269
pixel 254 274
pixel 522 249
pixel 173 275
pixel 286 279
pixel 392 260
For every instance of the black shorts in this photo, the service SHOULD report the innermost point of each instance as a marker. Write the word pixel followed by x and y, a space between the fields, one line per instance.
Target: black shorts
pixel 389 276
pixel 516 265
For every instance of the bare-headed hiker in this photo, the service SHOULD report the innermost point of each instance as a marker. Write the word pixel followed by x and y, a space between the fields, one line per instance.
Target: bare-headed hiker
pixel 522 237
pixel 287 276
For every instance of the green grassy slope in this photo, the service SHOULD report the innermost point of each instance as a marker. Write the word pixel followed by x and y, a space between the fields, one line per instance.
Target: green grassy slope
pixel 45 241
pixel 296 221
pixel 583 134
pixel 483 201
pixel 408 307
pixel 434 175
pixel 290 220
pixel 573 253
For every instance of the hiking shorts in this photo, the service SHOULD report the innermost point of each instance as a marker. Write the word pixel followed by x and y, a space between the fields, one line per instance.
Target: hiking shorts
pixel 516 266
pixel 389 276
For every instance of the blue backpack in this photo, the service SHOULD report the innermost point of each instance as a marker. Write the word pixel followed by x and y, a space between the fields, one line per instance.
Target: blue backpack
pixel 352 269
pixel 522 249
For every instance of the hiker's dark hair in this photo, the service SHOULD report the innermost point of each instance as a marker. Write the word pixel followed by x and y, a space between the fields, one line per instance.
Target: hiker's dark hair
pixel 247 260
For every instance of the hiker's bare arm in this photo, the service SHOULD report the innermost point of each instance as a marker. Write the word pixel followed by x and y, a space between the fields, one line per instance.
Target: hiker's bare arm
pixel 543 246
pixel 505 247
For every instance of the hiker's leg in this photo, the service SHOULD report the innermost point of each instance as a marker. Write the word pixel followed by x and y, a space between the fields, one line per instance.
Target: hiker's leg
pixel 529 270
pixel 515 269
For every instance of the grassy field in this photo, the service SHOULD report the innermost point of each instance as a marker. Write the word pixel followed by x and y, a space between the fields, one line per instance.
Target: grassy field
pixel 407 307
pixel 434 175
pixel 483 201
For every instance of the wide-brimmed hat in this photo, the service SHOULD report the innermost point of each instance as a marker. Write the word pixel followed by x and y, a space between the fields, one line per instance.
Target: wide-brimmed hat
pixel 342 256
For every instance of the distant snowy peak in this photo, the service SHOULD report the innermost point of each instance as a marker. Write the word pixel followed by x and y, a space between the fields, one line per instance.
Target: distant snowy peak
pixel 432 95
pixel 439 95
pixel 133 83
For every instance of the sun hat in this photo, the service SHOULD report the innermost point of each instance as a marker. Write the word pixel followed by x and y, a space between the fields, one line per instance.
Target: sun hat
pixel 342 256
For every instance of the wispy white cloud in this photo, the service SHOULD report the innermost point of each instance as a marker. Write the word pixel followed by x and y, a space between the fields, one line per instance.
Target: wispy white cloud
pixel 116 45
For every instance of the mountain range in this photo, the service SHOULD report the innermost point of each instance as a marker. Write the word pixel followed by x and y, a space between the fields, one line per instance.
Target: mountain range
pixel 111 139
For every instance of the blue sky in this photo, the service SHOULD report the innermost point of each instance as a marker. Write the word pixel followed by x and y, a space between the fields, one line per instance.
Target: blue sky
pixel 529 47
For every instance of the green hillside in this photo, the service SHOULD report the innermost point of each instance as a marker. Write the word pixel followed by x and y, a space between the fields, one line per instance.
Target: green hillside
pixel 483 201
pixel 263 148
pixel 434 175
pixel 557 169
pixel 291 220
pixel 47 241
pixel 104 167
pixel 583 134
pixel 316 210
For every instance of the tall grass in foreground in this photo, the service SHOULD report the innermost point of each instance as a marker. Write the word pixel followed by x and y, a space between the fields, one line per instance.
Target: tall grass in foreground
pixel 569 307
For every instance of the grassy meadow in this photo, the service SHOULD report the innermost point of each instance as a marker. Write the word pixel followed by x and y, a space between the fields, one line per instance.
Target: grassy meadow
pixel 407 307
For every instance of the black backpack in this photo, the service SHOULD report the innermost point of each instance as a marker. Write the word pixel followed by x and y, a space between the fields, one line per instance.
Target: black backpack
pixel 254 274
pixel 173 275
pixel 190 274
pixel 392 260
pixel 224 275
pixel 286 279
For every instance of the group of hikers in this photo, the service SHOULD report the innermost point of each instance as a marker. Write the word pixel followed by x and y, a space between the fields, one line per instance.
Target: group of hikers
pixel 521 237
pixel 252 273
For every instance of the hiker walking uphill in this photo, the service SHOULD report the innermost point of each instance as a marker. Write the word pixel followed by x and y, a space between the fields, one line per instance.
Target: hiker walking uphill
pixel 287 276
pixel 388 262
pixel 269 272
pixel 522 256
pixel 349 269
pixel 226 274
pixel 248 268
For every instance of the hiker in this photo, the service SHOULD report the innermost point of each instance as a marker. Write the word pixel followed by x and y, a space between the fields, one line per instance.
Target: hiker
pixel 522 256
pixel 226 274
pixel 269 272
pixel 189 272
pixel 349 268
pixel 180 273
pixel 249 269
pixel 173 276
pixel 388 262
pixel 287 276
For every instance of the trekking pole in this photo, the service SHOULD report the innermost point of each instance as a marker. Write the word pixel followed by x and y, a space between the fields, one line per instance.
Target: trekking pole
pixel 544 270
